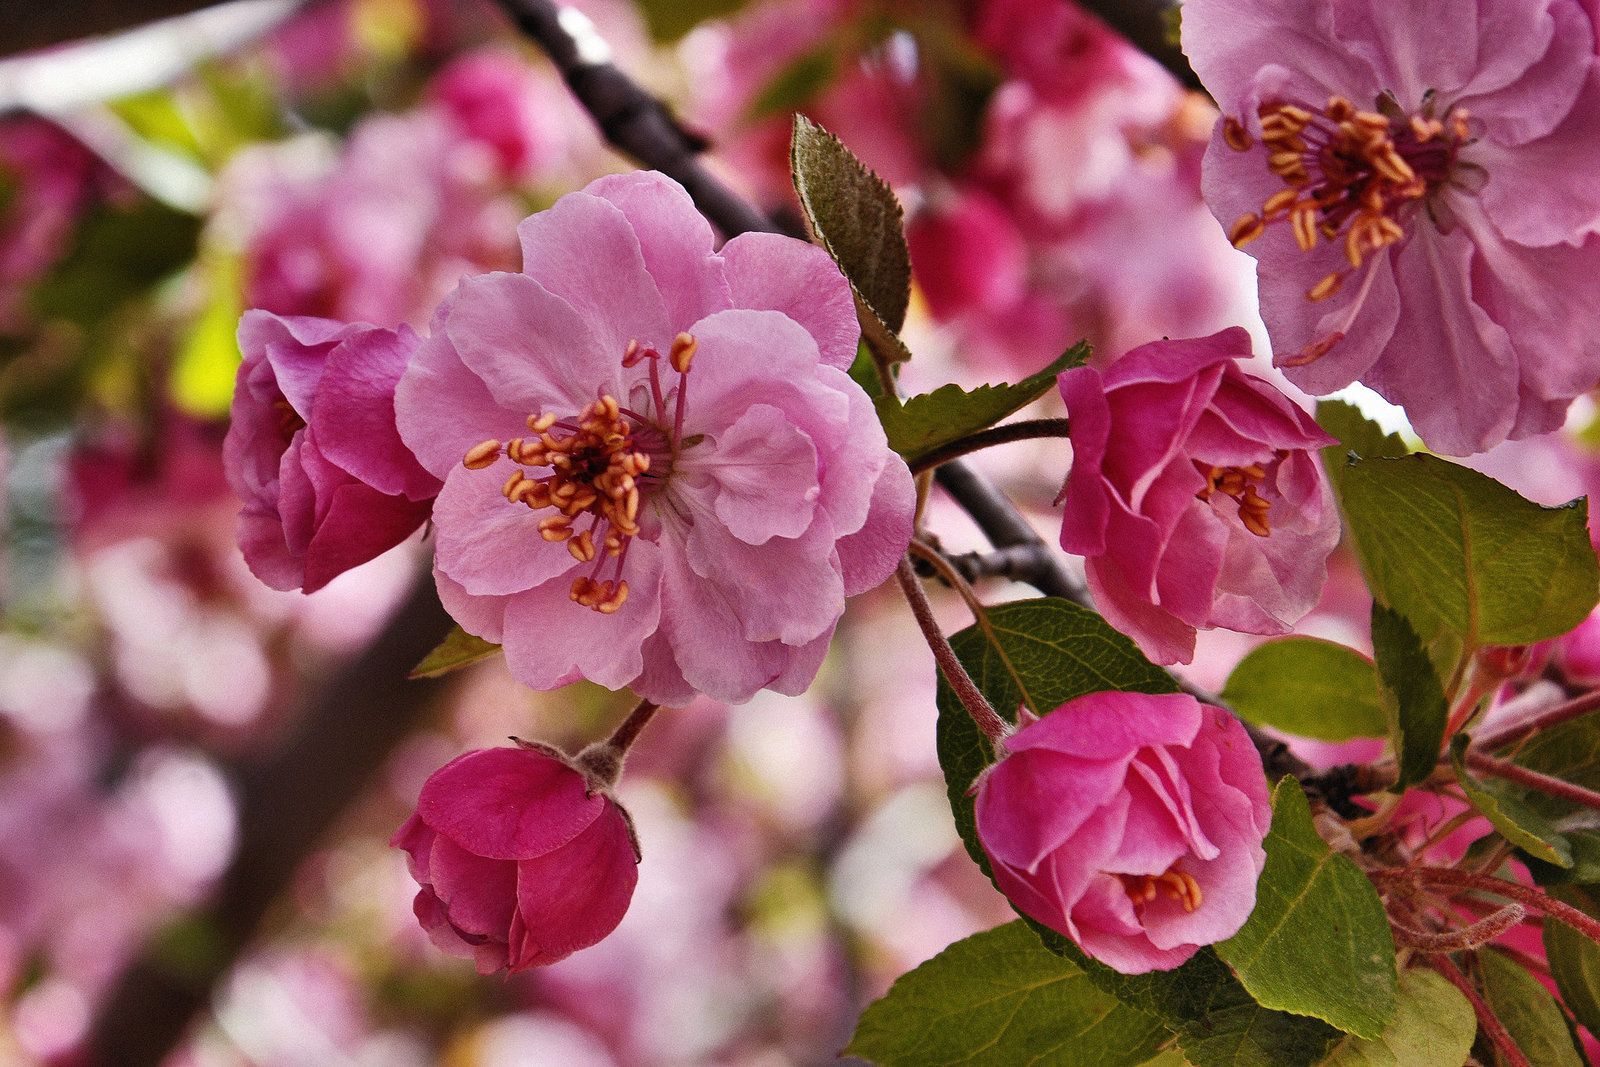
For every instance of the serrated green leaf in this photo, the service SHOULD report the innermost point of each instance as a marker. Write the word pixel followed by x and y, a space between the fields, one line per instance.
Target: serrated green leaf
pixel 1000 998
pixel 1357 434
pixel 855 215
pixel 1310 687
pixel 1574 959
pixel 1502 804
pixel 1571 752
pixel 1419 708
pixel 1530 1014
pixel 1455 551
pixel 932 420
pixel 1049 652
pixel 458 649
pixel 1169 1057
pixel 1433 1027
pixel 1313 903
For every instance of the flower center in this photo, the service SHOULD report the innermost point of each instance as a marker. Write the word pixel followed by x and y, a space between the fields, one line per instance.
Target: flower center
pixel 1239 483
pixel 600 464
pixel 1349 173
pixel 1175 885
pixel 289 420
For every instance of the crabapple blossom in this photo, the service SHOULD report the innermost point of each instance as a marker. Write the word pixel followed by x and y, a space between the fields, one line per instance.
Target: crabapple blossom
pixel 657 472
pixel 522 858
pixel 312 450
pixel 1130 822
pixel 1195 496
pixel 1416 185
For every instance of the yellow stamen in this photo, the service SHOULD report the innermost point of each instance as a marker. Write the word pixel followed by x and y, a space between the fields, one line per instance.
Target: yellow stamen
pixel 481 455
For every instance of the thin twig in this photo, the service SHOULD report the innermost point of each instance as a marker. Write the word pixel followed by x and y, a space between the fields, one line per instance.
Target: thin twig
pixel 1022 430
pixel 1493 1028
pixel 1544 783
pixel 1576 708
pixel 983 714
pixel 1482 883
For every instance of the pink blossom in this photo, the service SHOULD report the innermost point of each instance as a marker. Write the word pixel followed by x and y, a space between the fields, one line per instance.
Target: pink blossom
pixel 1416 184
pixel 706 483
pixel 1195 496
pixel 523 115
pixel 522 858
pixel 1131 823
pixel 313 452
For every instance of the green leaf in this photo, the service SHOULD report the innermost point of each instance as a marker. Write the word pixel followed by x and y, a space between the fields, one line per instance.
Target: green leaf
pixel 203 376
pixel 1455 551
pixel 1420 710
pixel 458 649
pixel 1045 653
pixel 1574 959
pixel 932 420
pixel 1310 687
pixel 1433 1026
pixel 1357 434
pixel 1584 844
pixel 998 998
pixel 669 20
pixel 1530 1014
pixel 855 215
pixel 1502 804
pixel 1314 904
pixel 797 83
pixel 1570 751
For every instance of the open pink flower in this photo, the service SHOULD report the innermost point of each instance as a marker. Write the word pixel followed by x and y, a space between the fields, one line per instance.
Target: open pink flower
pixel 1417 186
pixel 1131 823
pixel 1194 497
pixel 521 858
pixel 313 452
pixel 657 472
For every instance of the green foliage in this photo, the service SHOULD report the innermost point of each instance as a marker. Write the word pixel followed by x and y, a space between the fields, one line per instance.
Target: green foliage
pixel 1584 845
pixel 1310 687
pixel 932 420
pixel 1046 652
pixel 800 81
pixel 855 215
pixel 1000 998
pixel 1530 1014
pixel 1502 804
pixel 1570 751
pixel 669 20
pixel 1357 434
pixel 1574 959
pixel 203 377
pixel 1433 1027
pixel 1314 904
pixel 1420 710
pixel 1459 554
pixel 458 649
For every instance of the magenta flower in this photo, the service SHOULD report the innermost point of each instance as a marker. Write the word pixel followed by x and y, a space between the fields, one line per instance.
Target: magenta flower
pixel 1131 823
pixel 1194 497
pixel 522 859
pixel 657 472
pixel 1417 186
pixel 313 452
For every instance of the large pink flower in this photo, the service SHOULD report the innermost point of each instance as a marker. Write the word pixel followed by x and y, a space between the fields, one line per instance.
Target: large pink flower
pixel 657 472
pixel 1131 823
pixel 521 858
pixel 1194 497
pixel 1417 185
pixel 312 450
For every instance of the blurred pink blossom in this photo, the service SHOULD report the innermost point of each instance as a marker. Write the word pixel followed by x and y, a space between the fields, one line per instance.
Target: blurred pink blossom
pixel 1195 496
pixel 716 485
pixel 1132 823
pixel 523 859
pixel 1436 195
pixel 313 452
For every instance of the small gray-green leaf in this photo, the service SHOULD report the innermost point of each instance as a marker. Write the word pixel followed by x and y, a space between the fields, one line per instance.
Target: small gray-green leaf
pixel 1574 959
pixel 1530 1014
pixel 1314 904
pixel 458 649
pixel 1433 1027
pixel 1419 706
pixel 1454 550
pixel 855 215
pixel 1000 998
pixel 1502 805
pixel 932 420
pixel 1310 687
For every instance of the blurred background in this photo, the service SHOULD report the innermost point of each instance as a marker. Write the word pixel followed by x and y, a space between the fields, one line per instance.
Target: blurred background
pixel 199 776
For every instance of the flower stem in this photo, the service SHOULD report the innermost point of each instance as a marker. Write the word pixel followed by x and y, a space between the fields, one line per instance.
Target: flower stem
pixel 623 736
pixel 983 714
pixel 1023 430
pixel 1524 895
pixel 1575 708
pixel 1544 783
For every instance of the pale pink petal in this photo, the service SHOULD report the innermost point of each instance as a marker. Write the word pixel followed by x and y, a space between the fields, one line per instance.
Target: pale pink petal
pixel 768 272
pixel 763 459
pixel 676 242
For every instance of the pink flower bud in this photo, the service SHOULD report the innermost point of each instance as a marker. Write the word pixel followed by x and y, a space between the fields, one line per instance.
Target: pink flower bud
pixel 313 452
pixel 521 858
pixel 1195 496
pixel 1131 823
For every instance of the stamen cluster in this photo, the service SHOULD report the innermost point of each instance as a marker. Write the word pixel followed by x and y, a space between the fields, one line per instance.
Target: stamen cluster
pixel 1239 483
pixel 1174 884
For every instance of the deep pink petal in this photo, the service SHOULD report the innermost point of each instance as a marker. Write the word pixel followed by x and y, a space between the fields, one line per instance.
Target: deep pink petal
pixel 507 803
pixel 478 894
pixel 572 898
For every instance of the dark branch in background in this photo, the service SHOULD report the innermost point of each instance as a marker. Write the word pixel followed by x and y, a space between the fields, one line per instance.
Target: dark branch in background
pixel 287 800
pixel 25 26
pixel 1152 27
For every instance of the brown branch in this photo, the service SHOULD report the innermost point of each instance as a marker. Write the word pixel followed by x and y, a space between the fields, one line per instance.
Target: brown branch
pixel 1544 783
pixel 1575 708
